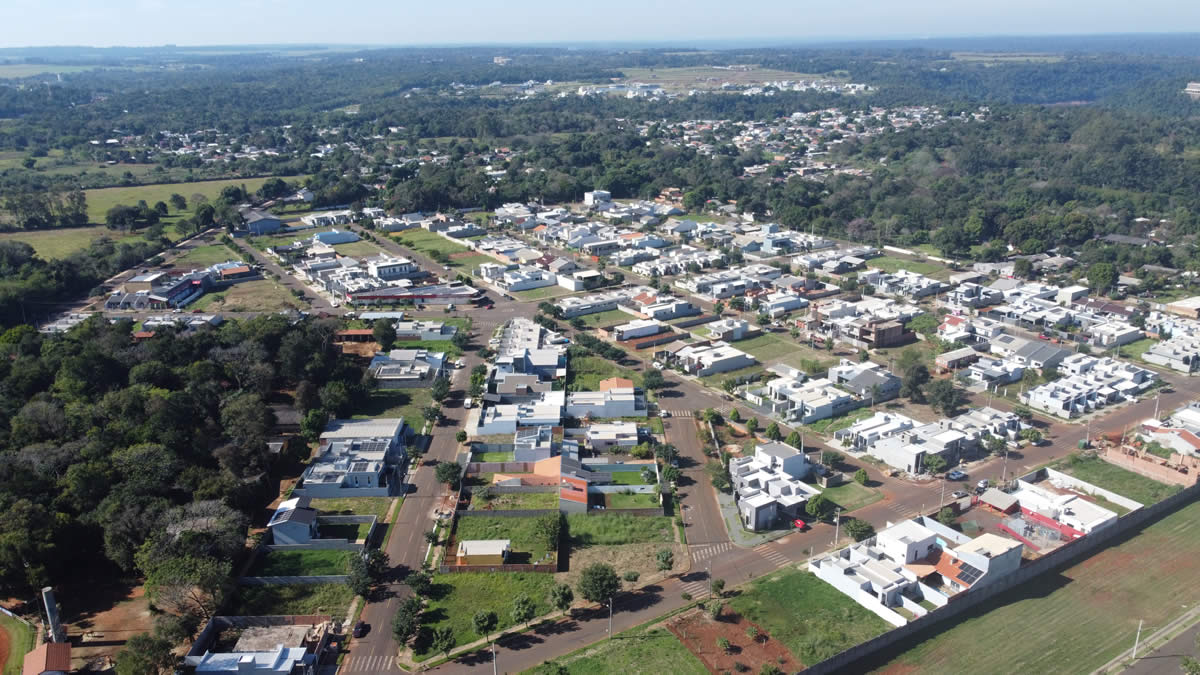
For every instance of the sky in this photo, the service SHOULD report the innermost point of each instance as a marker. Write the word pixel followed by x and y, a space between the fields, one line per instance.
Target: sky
pixel 105 23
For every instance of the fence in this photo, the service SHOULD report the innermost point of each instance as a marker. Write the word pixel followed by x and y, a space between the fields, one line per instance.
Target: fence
pixel 518 513
pixel 500 467
pixel 310 580
pixel 315 545
pixel 519 489
pixel 1156 468
pixel 627 512
pixel 456 569
pixel 707 318
pixel 1063 556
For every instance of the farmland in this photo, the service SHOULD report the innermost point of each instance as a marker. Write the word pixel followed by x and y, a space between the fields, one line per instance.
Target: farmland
pixel 99 201
pixel 62 242
pixel 1086 614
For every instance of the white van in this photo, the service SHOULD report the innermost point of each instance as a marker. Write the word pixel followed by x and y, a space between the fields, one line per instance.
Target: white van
pixel 468 403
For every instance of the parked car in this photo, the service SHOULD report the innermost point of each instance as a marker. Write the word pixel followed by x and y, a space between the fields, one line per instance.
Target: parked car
pixel 957 494
pixel 983 484
pixel 460 363
pixel 664 413
pixel 956 475
pixel 360 629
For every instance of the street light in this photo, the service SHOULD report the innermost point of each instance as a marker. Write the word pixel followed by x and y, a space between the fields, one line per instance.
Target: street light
pixel 837 523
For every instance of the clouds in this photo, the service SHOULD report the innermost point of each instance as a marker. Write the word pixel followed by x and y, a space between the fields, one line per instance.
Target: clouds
pixel 193 22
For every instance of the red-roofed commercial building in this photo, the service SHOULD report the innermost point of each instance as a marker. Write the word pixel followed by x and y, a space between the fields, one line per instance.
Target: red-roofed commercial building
pixel 51 658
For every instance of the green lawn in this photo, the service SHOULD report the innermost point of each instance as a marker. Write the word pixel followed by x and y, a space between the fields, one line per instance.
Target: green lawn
pixel 890 264
pixel 406 403
pixel 829 425
pixel 101 200
pixel 1086 614
pixel 810 617
pixel 469 261
pixel 60 243
pixel 612 529
pixel 1134 350
pixel 331 599
pixel 358 249
pixel 427 242
pixel 633 501
pixel 354 506
pixel 522 531
pixel 766 347
pixel 627 478
pixel 607 318
pixel 544 292
pixel 1110 477
pixel 852 496
pixel 21 639
pixel 516 502
pixel 491 457
pixel 638 651
pixel 715 380
pixel 447 346
pixel 258 295
pixel 204 256
pixel 349 531
pixel 457 597
pixel 585 374
pixel 300 563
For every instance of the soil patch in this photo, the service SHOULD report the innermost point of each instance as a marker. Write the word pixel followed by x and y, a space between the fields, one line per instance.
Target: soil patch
pixel 699 632
pixel 624 558
pixel 98 621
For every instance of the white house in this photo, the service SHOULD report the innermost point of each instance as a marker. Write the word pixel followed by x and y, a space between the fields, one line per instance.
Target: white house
pixel 708 358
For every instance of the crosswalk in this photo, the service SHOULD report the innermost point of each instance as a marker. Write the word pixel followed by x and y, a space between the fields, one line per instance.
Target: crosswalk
pixel 772 553
pixel 380 663
pixel 705 551
pixel 696 589
pixel 723 411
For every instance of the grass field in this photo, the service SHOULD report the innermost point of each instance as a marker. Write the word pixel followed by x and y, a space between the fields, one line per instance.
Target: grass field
pixel 354 506
pixel 707 77
pixel 406 403
pixel 260 295
pixel 890 264
pixel 607 318
pixel 639 651
pixel 543 293
pixel 331 599
pixel 447 346
pixel 522 531
pixel 613 529
pixel 204 256
pixel 1134 350
pixel 19 70
pixel 60 243
pixel 766 347
pixel 632 501
pixel 517 502
pixel 491 457
pixel 852 496
pixel 21 638
pixel 457 597
pixel 349 531
pixel 829 425
pixel 1110 477
pixel 627 478
pixel 813 619
pixel 1086 614
pixel 99 201
pixel 585 374
pixel 715 380
pixel 427 242
pixel 300 563
pixel 468 262
pixel 358 249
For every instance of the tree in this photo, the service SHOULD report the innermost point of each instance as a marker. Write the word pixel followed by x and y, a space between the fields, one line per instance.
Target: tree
pixel 146 654
pixel 819 507
pixel 795 440
pixel 1102 277
pixel 717 587
pixel 1032 435
pixel 915 378
pixel 934 463
pixel 752 425
pixel 522 609
pixel 313 424
pixel 859 529
pixel 431 537
pixel 669 474
pixel 666 452
pixel 431 413
pixel 358 580
pixel 996 445
pixel 909 358
pixel 653 379
pixel 484 623
pixel 944 396
pixel 860 477
pixel 831 458
pixel 664 560
pixel 723 644
pixel 461 436
pixel 711 416
pixel 1022 412
pixel 718 474
pixel 598 583
pixel 407 620
pixel 443 640
pixel 547 529
pixel 1023 268
pixel 773 432
pixel 561 597
pixel 193 585
pixel 946 515
pixel 440 389
pixel 178 201
pixel 385 334
pixel 448 473
pixel 735 415
pixel 461 340
pixel 752 633
pixel 718 308
pixel 420 583
pixel 715 608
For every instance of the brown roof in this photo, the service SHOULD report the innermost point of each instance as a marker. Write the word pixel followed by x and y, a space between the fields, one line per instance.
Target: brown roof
pixel 229 271
pixel 50 656
pixel 615 383
pixel 356 331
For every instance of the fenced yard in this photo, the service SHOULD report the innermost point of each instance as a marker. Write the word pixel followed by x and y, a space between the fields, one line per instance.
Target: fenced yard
pixel 1111 477
pixel 301 563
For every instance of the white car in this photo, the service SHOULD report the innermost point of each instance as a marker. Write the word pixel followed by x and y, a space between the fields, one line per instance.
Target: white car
pixel 459 363
pixel 664 413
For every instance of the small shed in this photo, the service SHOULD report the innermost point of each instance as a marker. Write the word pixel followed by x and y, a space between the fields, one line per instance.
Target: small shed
pixel 1001 501
pixel 483 551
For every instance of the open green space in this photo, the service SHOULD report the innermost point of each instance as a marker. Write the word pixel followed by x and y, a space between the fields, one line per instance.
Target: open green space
pixel 852 496
pixel 639 651
pixel 351 532
pixel 633 500
pixel 744 374
pixel 447 346
pixel 62 242
pixel 766 347
pixel 19 70
pixel 406 403
pixel 515 502
pixel 611 529
pixel 331 599
pixel 491 457
pixel 258 295
pixel 21 638
pixel 1086 614
pixel 300 563
pixel 468 262
pixel 829 425
pixel 627 478
pixel 426 242
pixel 586 373
pixel 543 293
pixel 890 264
pixel 1111 477
pixel 204 256
pixel 358 249
pixel 354 506
pixel 522 531
pixel 1135 350
pixel 810 617
pixel 457 597
pixel 607 318
pixel 100 200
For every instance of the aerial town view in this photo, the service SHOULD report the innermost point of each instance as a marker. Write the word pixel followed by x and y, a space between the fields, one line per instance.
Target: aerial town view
pixel 485 338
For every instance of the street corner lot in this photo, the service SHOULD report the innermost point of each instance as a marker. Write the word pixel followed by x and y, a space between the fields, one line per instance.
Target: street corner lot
pixel 455 598
pixel 699 632
pixel 627 542
pixel 1111 477
pixel 644 649
pixel 259 295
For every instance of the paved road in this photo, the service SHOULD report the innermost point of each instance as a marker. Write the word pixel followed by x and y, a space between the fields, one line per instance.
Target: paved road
pixel 702 515
pixel 1166 659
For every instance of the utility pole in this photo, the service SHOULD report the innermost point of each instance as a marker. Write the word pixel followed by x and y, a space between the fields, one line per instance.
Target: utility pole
pixel 494 658
pixel 943 491
pixel 1156 405
pixel 1137 639
pixel 837 524
pixel 610 617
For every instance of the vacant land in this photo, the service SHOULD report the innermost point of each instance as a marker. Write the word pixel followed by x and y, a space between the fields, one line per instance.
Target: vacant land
pixel 1086 614
pixel 349 531
pixel 1121 481
pixel 744 375
pixel 528 544
pixel 1135 350
pixel 457 597
pixel 331 599
pixel 101 200
pixel 640 651
pixel 491 457
pixel 851 496
pixel 628 478
pixel 260 295
pixel 542 293
pixel 427 242
pixel 469 261
pixel 585 374
pixel 60 243
pixel 20 641
pixel 890 264
pixel 613 529
pixel 300 563
pixel 701 634
pixel 358 249
pixel 766 347
pixel 204 256
pixel 406 403
pixel 633 500
pixel 811 618
pixel 829 425
pixel 607 318
pixel 515 502
pixel 354 506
